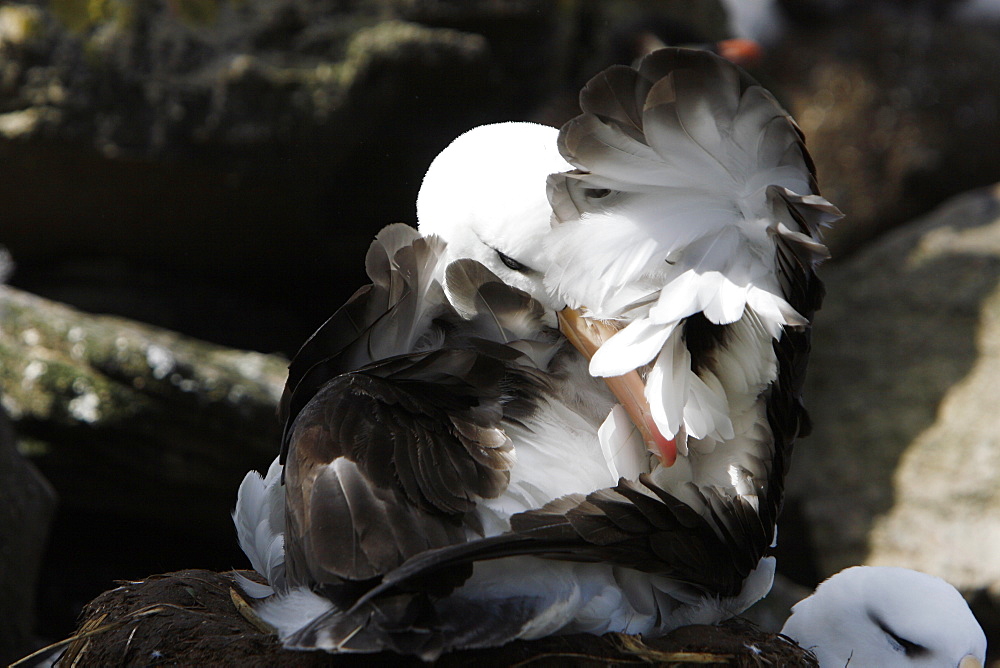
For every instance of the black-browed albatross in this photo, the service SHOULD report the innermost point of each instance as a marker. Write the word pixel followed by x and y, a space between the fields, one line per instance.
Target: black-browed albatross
pixel 452 476
pixel 887 617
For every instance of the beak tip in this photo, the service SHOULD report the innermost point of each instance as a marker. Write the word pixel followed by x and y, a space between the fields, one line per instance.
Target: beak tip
pixel 587 336
pixel 970 661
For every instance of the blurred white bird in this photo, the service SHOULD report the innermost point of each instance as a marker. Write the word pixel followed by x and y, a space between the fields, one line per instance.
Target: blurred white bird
pixel 890 618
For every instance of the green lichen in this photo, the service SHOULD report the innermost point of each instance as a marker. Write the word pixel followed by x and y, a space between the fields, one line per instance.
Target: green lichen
pixel 82 15
pixel 196 12
pixel 119 377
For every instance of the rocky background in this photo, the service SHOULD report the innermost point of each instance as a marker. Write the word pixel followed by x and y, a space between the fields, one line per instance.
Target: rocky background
pixel 187 188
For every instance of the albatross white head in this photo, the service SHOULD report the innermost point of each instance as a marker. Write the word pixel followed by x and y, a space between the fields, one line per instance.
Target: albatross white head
pixel 887 617
pixel 485 194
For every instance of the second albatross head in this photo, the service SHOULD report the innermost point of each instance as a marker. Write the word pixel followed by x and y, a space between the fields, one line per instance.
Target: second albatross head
pixel 887 617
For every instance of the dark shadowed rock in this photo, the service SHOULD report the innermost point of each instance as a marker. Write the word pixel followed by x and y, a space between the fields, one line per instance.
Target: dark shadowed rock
pixel 902 467
pixel 27 503
pixel 209 142
pixel 897 109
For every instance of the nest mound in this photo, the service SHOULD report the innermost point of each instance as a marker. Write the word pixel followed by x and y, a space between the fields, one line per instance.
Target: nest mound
pixel 198 617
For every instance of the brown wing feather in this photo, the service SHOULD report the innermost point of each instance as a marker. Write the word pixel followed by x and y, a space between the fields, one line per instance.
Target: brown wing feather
pixel 398 304
pixel 393 413
pixel 635 524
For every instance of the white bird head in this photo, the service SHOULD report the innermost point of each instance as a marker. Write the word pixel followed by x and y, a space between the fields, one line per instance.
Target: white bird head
pixel 887 617
pixel 485 194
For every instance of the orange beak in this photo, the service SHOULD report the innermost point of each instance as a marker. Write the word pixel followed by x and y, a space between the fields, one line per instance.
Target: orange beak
pixel 587 336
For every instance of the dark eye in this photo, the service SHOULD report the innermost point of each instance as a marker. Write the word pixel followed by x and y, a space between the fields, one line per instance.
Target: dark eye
pixel 909 648
pixel 596 193
pixel 511 262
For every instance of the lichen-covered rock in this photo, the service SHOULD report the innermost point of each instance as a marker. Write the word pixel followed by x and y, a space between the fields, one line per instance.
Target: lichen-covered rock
pixel 225 79
pixel 902 467
pixel 246 151
pixel 110 407
pixel 218 139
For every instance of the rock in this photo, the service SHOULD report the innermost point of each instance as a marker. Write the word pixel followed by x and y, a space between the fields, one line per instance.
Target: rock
pixel 188 163
pixel 115 412
pixel 270 126
pixel 903 466
pixel 896 109
pixel 198 617
pixel 6 265
pixel 27 503
pixel 144 433
pixel 946 485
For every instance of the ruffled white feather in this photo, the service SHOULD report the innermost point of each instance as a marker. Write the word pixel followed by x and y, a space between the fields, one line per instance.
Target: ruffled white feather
pixel 259 517
pixel 676 208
